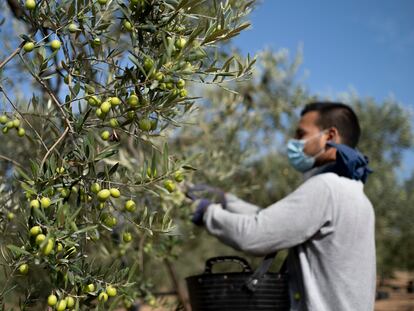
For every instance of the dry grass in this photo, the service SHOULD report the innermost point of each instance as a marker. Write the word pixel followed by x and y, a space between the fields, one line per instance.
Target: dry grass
pixel 399 299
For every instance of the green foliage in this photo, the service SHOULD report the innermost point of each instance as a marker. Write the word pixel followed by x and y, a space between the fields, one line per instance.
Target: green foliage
pixel 110 81
pixel 238 145
pixel 238 130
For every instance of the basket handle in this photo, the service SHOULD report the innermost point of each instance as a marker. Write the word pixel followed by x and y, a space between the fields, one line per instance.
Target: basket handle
pixel 255 278
pixel 236 259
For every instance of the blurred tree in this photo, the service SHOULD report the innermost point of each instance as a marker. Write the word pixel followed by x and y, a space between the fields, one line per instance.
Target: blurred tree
pixel 386 133
pixel 240 143
pixel 237 139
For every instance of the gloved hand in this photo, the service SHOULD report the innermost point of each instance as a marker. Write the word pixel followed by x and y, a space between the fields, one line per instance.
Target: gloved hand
pixel 201 191
pixel 202 205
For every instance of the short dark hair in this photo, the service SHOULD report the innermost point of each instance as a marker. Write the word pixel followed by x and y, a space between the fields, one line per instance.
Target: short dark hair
pixel 338 115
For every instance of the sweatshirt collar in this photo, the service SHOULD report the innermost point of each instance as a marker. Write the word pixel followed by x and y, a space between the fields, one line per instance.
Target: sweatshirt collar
pixel 349 163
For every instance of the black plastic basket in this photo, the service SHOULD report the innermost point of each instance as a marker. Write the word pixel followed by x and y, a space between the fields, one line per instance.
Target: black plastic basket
pixel 246 290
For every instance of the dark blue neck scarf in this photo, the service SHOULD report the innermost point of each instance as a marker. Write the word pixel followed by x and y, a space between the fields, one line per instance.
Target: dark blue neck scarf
pixel 349 163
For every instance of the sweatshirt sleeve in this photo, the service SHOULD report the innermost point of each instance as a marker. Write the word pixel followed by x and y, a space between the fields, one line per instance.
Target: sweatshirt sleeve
pixel 284 224
pixel 238 206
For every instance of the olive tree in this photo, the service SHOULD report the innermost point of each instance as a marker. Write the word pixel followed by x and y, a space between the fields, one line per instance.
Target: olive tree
pixel 88 183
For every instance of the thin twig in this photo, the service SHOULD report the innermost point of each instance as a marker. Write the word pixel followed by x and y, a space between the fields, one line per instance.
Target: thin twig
pixel 10 57
pixel 8 281
pixel 54 146
pixel 141 253
pixel 43 117
pixel 11 160
pixel 131 148
pixel 55 100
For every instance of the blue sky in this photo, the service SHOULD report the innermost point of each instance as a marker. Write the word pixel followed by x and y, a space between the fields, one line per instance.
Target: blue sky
pixel 366 46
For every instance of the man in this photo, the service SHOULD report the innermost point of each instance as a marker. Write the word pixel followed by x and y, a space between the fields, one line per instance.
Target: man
pixel 327 223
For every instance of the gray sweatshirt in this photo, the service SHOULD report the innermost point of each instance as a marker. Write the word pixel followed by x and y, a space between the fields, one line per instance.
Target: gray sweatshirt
pixel 328 226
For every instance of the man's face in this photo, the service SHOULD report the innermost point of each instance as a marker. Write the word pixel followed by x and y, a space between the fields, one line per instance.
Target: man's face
pixel 308 129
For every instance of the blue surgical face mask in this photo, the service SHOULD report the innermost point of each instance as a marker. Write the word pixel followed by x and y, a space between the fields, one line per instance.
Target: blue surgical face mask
pixel 298 158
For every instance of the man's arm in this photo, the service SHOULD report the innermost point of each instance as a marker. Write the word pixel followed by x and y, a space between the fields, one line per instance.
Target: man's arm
pixel 287 223
pixel 238 206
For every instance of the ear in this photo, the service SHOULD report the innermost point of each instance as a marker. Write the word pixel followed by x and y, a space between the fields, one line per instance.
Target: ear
pixel 333 135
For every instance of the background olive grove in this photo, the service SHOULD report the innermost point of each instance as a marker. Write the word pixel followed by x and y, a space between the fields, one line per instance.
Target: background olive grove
pixel 243 151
